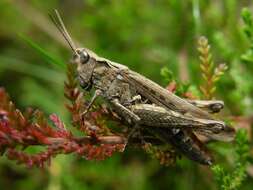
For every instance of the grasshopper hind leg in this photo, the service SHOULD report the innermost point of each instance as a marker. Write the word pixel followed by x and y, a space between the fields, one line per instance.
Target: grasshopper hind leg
pixel 186 143
pixel 129 116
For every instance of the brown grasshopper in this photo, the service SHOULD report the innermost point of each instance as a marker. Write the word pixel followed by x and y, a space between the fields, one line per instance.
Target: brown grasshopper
pixel 146 105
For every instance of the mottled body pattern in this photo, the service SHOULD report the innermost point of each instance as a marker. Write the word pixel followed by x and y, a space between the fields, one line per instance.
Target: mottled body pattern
pixel 163 123
pixel 146 105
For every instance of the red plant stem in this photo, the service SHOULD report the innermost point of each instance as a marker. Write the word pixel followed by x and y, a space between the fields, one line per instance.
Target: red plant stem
pixel 90 140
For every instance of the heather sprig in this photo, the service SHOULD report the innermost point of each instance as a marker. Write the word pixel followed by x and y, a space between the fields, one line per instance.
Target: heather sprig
pixel 210 73
pixel 21 130
pixel 166 157
pixel 233 180
pixel 31 128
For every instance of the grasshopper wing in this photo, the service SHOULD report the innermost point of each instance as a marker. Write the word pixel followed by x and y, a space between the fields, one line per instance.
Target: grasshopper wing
pixel 162 97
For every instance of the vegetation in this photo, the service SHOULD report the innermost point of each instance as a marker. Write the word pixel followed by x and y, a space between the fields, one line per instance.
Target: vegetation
pixel 163 40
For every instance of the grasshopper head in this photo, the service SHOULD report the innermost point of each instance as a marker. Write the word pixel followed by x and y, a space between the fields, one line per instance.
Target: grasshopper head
pixel 85 66
pixel 81 57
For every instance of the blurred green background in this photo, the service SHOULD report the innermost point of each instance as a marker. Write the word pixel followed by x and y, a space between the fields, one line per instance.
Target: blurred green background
pixel 145 35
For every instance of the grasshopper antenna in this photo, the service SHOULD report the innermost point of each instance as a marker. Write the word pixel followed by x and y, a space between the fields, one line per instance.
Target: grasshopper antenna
pixel 57 20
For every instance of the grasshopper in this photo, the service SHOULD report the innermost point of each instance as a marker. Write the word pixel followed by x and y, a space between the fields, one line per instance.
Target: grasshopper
pixel 144 104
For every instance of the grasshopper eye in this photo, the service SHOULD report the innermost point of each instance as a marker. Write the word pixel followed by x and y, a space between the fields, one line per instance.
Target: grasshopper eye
pixel 80 56
pixel 84 57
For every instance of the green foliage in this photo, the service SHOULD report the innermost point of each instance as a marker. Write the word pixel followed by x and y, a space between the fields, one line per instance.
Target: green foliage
pixel 167 75
pixel 44 54
pixel 169 78
pixel 248 30
pixel 146 36
pixel 247 19
pixel 233 180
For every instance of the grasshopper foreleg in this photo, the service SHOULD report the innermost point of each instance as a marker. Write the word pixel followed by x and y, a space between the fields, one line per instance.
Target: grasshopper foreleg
pixel 95 95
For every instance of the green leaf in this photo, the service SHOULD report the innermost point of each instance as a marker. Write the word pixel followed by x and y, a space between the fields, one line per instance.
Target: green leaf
pixel 246 16
pixel 46 55
pixel 34 70
pixel 230 181
pixel 167 74
pixel 248 21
